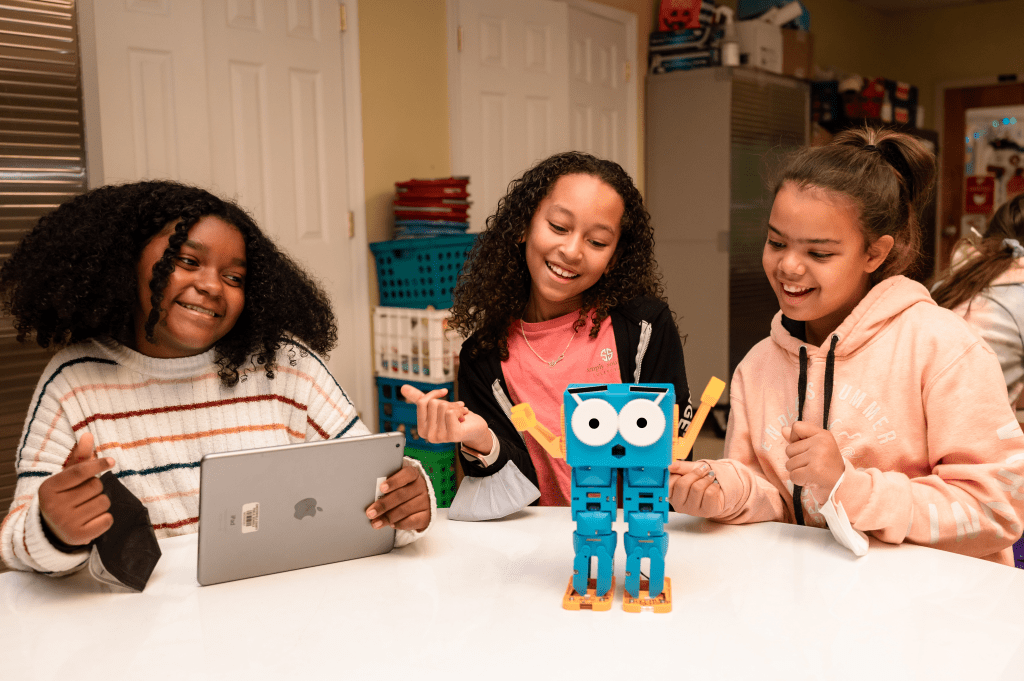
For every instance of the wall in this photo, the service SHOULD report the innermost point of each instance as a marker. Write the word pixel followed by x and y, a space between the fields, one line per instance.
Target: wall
pixel 403 51
pixel 402 64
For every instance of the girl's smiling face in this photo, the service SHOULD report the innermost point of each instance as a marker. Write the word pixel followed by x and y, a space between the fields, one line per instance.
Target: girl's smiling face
pixel 204 295
pixel 570 243
pixel 816 260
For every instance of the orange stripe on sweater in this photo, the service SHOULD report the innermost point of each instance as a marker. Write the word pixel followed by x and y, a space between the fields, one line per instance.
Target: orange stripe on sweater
pixel 135 386
pixel 197 436
pixel 316 387
pixel 186 407
pixel 7 519
pixel 172 495
pixel 46 438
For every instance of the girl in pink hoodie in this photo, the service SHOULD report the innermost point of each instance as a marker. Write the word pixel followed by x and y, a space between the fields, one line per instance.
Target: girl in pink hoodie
pixel 869 410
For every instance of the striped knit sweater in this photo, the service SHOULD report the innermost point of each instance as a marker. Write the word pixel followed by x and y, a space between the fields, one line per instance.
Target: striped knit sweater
pixel 157 418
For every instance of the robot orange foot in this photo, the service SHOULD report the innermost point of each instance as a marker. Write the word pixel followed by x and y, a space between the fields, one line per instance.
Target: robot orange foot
pixel 643 601
pixel 591 600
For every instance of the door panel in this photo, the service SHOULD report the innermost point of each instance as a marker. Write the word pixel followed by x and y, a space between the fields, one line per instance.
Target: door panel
pixel 513 104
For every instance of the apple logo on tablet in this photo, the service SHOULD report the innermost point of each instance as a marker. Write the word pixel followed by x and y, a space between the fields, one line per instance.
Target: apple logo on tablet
pixel 306 507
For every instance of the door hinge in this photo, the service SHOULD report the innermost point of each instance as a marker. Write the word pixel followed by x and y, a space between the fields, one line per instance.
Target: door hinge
pixel 344 19
pixel 627 71
pixel 459 38
pixel 351 225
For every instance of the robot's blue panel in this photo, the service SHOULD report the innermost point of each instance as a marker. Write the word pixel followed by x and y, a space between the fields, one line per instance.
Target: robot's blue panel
pixel 619 425
pixel 647 477
pixel 599 494
pixel 592 476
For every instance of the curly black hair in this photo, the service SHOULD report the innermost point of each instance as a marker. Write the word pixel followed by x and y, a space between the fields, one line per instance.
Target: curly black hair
pixel 73 277
pixel 494 286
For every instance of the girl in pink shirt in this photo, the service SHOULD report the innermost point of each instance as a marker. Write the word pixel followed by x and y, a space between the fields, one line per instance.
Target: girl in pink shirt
pixel 869 410
pixel 561 288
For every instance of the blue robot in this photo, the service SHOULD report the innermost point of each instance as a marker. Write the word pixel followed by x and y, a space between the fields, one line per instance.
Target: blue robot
pixel 629 428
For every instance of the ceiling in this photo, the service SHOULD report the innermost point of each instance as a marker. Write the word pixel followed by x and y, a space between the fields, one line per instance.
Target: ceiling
pixel 903 5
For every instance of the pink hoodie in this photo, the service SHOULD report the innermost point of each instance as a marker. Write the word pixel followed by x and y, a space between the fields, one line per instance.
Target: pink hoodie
pixel 934 455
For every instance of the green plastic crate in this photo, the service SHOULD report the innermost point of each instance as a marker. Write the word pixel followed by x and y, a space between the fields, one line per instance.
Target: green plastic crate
pixel 440 466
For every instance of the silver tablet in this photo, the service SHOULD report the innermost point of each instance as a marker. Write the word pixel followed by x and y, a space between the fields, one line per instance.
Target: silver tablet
pixel 294 506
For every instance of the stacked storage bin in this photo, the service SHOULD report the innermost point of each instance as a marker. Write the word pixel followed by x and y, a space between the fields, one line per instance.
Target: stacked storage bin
pixel 412 342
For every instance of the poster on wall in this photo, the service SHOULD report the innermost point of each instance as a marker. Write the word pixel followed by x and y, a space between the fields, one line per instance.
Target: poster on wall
pixel 994 149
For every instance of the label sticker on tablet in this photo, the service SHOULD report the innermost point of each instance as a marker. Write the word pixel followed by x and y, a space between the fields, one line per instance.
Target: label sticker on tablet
pixel 377 494
pixel 250 517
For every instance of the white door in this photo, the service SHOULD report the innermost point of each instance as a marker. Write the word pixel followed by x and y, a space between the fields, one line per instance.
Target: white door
pixel 533 77
pixel 246 97
pixel 509 94
pixel 602 85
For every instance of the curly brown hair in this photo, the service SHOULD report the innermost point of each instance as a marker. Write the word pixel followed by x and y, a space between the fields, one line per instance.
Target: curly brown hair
pixel 73 277
pixel 494 287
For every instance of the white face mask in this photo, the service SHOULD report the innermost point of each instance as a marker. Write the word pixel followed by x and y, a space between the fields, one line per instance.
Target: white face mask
pixel 494 496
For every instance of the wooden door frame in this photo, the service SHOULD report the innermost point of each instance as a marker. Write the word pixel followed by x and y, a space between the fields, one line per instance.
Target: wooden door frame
pixel 952 99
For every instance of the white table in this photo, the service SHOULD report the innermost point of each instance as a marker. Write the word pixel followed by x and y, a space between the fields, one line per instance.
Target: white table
pixel 483 601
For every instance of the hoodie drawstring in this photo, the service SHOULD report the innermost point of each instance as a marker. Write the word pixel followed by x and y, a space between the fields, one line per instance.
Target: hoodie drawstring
pixel 830 366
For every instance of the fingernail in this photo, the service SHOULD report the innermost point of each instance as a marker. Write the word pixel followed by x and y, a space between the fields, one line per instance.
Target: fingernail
pixel 371 513
pixel 109 462
pixel 384 487
pixel 377 524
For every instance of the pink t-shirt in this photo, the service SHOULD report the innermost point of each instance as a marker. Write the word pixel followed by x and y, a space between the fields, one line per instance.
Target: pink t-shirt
pixel 531 379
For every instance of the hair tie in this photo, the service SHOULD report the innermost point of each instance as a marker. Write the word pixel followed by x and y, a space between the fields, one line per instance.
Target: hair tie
pixel 1012 245
pixel 899 163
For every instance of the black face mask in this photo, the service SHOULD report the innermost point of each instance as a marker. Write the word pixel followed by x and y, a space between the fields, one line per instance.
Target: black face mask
pixel 126 554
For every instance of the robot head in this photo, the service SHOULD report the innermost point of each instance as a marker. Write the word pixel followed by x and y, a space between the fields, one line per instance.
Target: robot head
pixel 619 425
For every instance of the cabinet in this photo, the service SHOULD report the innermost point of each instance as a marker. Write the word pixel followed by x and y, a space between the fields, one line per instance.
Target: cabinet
pixel 711 137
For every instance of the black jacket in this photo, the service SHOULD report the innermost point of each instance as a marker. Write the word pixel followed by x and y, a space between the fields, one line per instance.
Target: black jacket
pixel 645 336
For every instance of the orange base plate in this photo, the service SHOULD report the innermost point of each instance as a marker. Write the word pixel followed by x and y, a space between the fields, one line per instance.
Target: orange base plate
pixel 590 600
pixel 663 603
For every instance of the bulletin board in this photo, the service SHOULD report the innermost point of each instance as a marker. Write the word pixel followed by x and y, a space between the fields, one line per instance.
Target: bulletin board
pixel 993 162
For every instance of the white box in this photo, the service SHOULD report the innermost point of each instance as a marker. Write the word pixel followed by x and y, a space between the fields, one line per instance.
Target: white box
pixel 762 43
pixel 415 345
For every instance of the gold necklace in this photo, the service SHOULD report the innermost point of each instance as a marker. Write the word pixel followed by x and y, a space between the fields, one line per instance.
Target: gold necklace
pixel 553 362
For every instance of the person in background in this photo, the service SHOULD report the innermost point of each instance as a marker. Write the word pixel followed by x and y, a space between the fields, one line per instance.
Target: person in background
pixel 870 409
pixel 985 286
pixel 179 335
pixel 562 287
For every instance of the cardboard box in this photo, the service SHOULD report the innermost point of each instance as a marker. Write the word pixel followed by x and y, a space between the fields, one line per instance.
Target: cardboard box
pixel 760 45
pixel 797 53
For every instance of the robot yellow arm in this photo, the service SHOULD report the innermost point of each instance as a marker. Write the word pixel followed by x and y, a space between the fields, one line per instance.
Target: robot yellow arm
pixel 524 419
pixel 682 446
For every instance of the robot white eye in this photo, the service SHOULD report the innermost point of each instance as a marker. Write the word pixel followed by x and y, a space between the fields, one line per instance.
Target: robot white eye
pixel 641 422
pixel 595 422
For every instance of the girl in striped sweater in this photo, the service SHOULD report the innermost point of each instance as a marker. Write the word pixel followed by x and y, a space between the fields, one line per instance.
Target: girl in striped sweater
pixel 180 335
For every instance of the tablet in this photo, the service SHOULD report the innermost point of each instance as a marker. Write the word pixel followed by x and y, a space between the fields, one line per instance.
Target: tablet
pixel 288 507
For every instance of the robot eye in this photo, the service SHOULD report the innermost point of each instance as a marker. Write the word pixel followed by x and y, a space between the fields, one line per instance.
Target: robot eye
pixel 595 422
pixel 641 422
